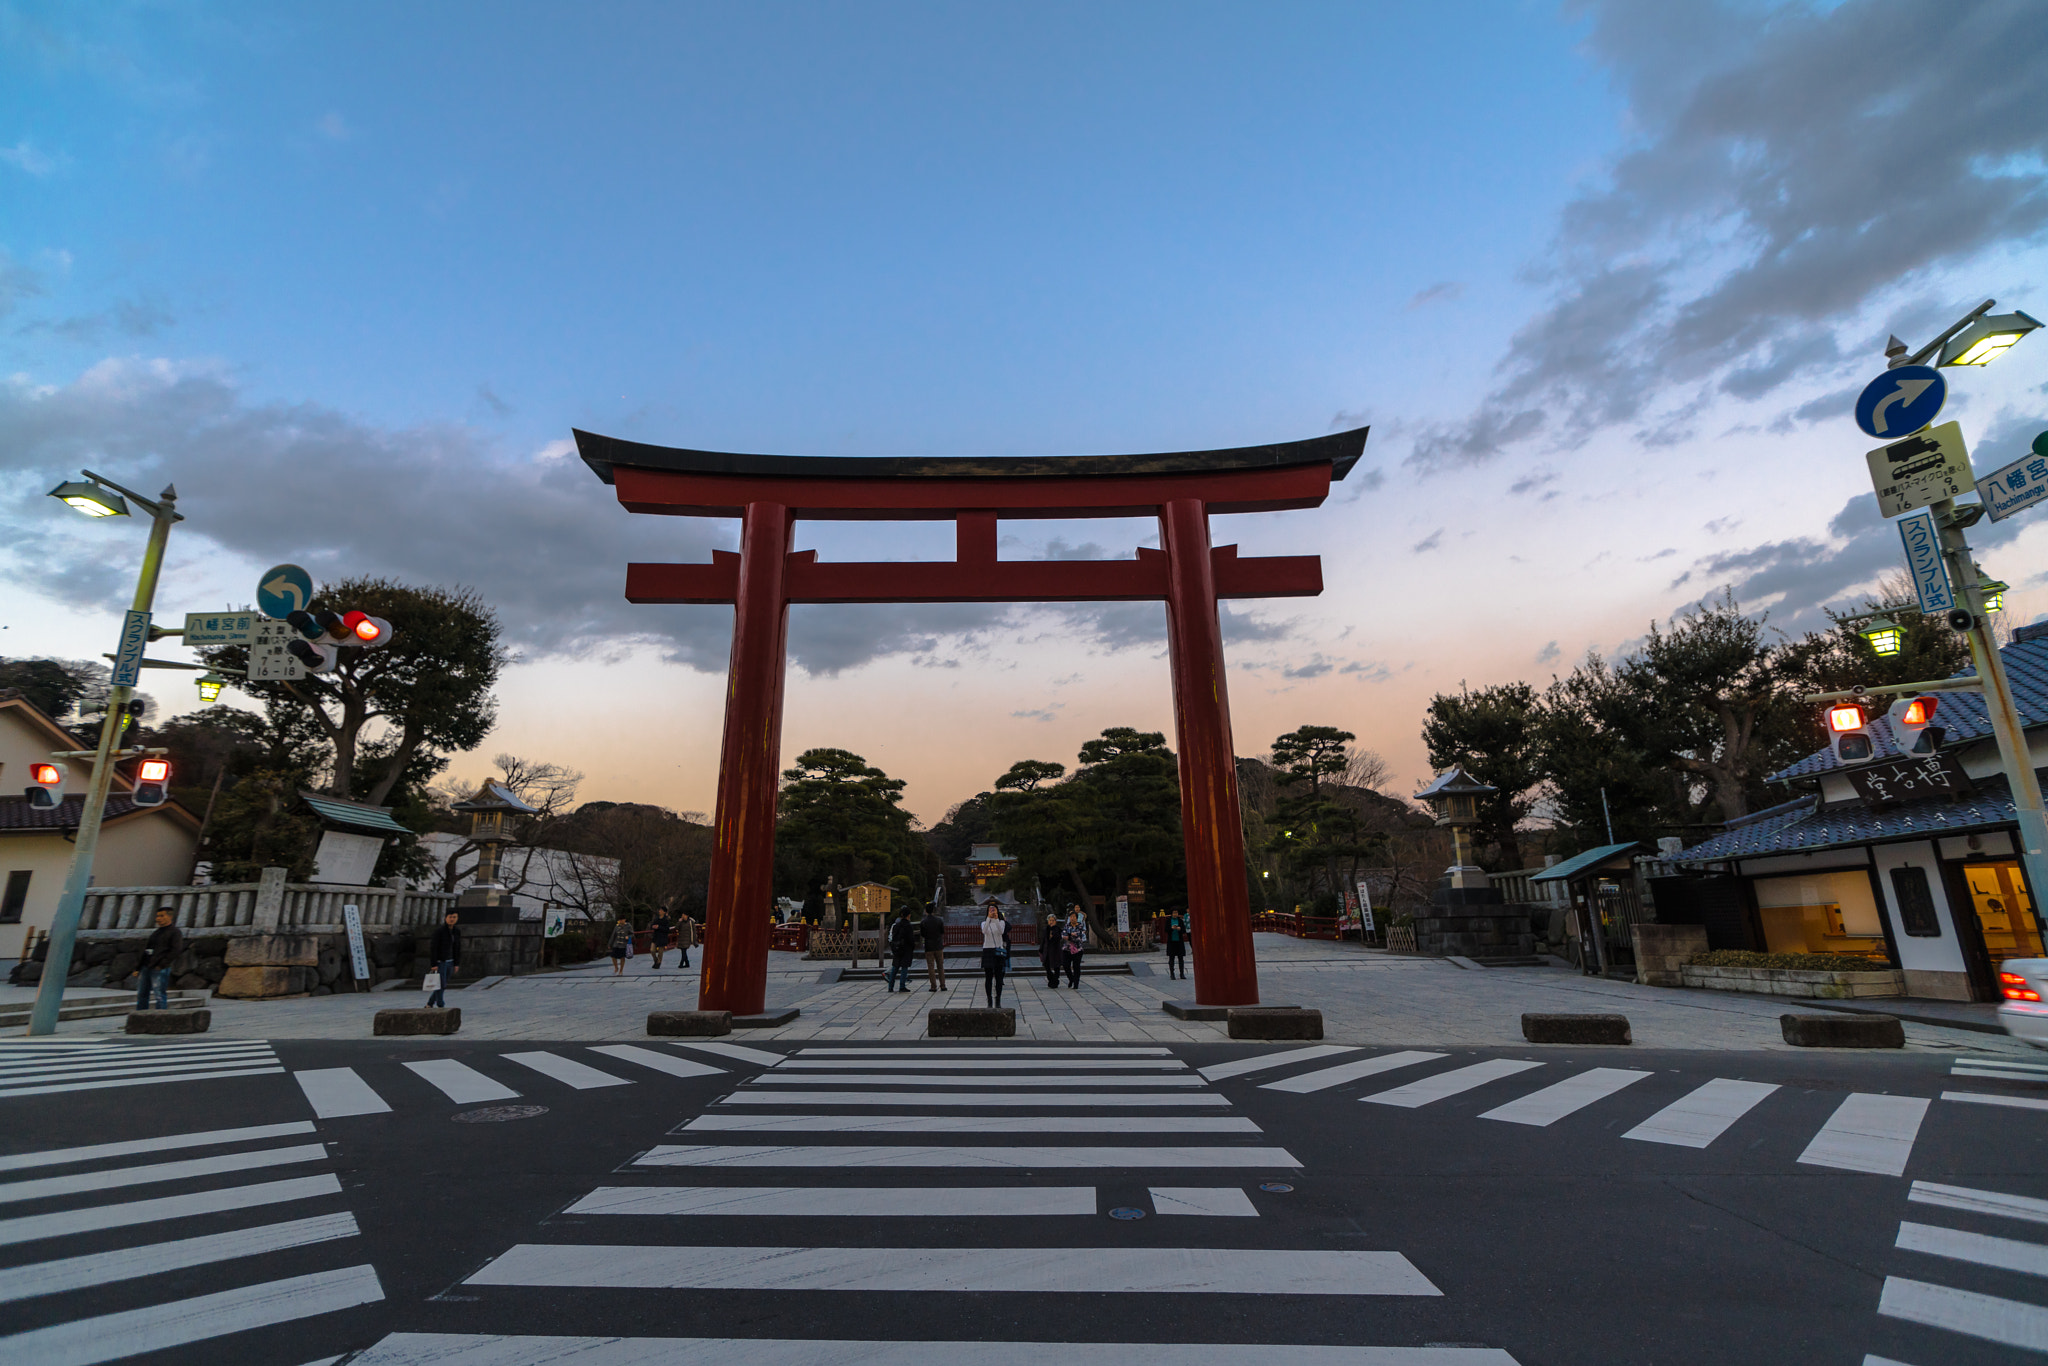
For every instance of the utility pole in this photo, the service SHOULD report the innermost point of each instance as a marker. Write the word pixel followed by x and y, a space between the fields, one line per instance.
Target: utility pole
pixel 64 925
pixel 1974 621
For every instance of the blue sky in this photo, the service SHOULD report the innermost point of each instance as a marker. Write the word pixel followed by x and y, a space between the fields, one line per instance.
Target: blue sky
pixel 1598 277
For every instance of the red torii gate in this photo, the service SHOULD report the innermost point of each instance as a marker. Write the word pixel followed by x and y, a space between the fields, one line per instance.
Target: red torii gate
pixel 768 493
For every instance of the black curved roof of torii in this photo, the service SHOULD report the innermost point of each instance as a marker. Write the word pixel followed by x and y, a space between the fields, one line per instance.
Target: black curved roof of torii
pixel 1340 450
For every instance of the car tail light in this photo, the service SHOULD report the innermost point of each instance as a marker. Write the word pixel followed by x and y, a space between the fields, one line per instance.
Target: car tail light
pixel 2016 987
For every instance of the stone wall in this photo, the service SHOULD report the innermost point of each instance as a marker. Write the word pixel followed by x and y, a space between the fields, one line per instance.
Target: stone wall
pixel 1812 986
pixel 1662 951
pixel 317 967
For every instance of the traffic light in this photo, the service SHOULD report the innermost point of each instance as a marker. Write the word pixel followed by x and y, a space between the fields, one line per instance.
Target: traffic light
pixel 1913 725
pixel 1848 735
pixel 326 633
pixel 152 782
pixel 45 786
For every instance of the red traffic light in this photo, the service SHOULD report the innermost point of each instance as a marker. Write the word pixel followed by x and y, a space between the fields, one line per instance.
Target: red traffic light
pixel 154 771
pixel 46 775
pixel 1845 716
pixel 365 630
pixel 1919 711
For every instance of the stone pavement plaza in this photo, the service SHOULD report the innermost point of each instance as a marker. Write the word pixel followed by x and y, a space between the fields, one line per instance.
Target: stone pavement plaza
pixel 1367 997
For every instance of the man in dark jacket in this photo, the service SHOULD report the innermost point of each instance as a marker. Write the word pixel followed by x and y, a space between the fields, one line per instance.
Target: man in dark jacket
pixel 447 955
pixel 933 930
pixel 902 945
pixel 166 942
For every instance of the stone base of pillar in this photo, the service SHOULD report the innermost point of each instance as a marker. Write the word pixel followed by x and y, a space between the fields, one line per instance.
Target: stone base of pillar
pixel 267 966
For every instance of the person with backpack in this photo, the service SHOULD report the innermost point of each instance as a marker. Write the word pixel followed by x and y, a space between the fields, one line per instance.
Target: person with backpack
pixel 933 931
pixel 902 944
pixel 1177 943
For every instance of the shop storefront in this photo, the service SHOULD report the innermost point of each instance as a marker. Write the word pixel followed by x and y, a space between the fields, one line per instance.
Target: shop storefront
pixel 1931 885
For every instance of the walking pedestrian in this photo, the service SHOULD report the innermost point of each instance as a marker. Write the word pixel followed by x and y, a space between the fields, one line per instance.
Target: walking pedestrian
pixel 902 945
pixel 995 954
pixel 622 945
pixel 1075 939
pixel 659 929
pixel 1051 949
pixel 1177 943
pixel 686 930
pixel 166 941
pixel 446 951
pixel 933 930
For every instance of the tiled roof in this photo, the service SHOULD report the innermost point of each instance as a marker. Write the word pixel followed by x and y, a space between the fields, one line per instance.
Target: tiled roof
pixel 1962 713
pixel 17 814
pixel 354 815
pixel 1801 826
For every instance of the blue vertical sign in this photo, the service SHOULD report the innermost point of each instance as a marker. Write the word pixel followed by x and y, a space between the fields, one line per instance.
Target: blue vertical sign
pixel 128 659
pixel 1923 562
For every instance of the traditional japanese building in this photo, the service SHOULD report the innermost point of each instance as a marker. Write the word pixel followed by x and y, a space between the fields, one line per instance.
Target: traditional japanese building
pixel 1913 859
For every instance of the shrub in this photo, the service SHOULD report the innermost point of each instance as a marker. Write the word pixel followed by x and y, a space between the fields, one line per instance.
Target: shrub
pixel 570 946
pixel 1797 962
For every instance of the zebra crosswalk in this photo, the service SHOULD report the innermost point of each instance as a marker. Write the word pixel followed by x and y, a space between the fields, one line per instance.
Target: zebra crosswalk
pixel 58 1269
pixel 1954 1253
pixel 344 1092
pixel 1867 1132
pixel 772 1183
pixel 47 1067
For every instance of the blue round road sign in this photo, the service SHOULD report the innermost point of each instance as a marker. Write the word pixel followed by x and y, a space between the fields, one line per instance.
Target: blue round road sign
pixel 282 590
pixel 1900 402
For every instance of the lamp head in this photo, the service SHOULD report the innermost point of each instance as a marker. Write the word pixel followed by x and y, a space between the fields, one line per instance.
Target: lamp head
pixel 1986 339
pixel 90 499
pixel 1886 637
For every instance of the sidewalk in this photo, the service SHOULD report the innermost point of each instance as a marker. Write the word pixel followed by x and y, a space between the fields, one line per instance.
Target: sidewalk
pixel 1367 997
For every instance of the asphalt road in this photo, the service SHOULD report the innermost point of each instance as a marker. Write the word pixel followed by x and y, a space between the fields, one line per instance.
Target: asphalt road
pixel 969 1204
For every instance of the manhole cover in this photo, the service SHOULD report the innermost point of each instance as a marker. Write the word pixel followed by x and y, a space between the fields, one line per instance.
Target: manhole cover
pixel 499 1114
pixel 1126 1212
pixel 1277 1187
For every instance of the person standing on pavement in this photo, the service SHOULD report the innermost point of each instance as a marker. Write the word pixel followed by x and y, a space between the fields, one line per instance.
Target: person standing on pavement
pixel 1075 940
pixel 933 930
pixel 1177 943
pixel 686 930
pixel 166 942
pixel 446 951
pixel 622 945
pixel 902 946
pixel 658 931
pixel 1051 949
pixel 995 954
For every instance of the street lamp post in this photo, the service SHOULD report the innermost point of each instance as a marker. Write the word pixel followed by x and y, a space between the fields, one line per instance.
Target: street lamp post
pixel 1976 340
pixel 100 497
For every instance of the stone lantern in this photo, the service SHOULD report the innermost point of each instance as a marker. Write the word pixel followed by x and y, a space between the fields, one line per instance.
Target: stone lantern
pixel 497 942
pixel 1455 797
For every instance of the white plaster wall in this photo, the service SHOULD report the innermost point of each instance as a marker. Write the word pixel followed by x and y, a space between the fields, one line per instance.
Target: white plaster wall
pixel 1922 955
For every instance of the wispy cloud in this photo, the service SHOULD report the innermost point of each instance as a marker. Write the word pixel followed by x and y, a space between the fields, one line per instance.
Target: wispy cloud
pixel 332 126
pixel 1442 292
pixel 26 156
pixel 1429 542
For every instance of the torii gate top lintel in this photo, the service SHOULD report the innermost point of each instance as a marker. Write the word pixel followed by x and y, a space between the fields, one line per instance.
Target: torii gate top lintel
pixel 691 483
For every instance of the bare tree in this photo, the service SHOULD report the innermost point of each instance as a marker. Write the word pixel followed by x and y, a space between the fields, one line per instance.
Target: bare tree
pixel 548 788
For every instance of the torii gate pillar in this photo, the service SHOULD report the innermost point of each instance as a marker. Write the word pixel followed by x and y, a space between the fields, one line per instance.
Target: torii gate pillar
pixel 769 493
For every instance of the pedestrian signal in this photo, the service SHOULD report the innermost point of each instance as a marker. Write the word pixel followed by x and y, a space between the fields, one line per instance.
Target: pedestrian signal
pixel 152 782
pixel 1913 725
pixel 1848 735
pixel 46 786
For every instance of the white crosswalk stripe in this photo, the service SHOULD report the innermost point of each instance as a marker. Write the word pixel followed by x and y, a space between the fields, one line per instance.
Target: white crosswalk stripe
pixel 977 1099
pixel 451 1349
pixel 220 1234
pixel 460 1082
pixel 1993 1318
pixel 1959 1308
pixel 974 1124
pixel 1446 1084
pixel 566 1070
pixel 1698 1118
pixel 1986 1098
pixel 1324 1078
pixel 1036 1158
pixel 937 1079
pixel 1092 1270
pixel 1228 1202
pixel 1540 1109
pixel 1979 1202
pixel 660 1062
pixel 1264 1062
pixel 806 1202
pixel 1868 1134
pixel 338 1092
pixel 988 1065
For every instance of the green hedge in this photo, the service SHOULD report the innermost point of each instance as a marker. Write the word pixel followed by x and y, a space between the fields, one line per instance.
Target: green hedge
pixel 1798 962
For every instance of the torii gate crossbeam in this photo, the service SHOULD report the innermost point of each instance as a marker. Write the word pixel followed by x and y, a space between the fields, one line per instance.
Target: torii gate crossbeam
pixel 769 494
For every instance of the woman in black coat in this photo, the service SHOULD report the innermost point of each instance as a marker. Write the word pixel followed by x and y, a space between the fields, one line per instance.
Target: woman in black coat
pixel 1049 949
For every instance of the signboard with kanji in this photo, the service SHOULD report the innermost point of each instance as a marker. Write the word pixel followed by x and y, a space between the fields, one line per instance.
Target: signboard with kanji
pixel 1932 775
pixel 220 628
pixel 2019 485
